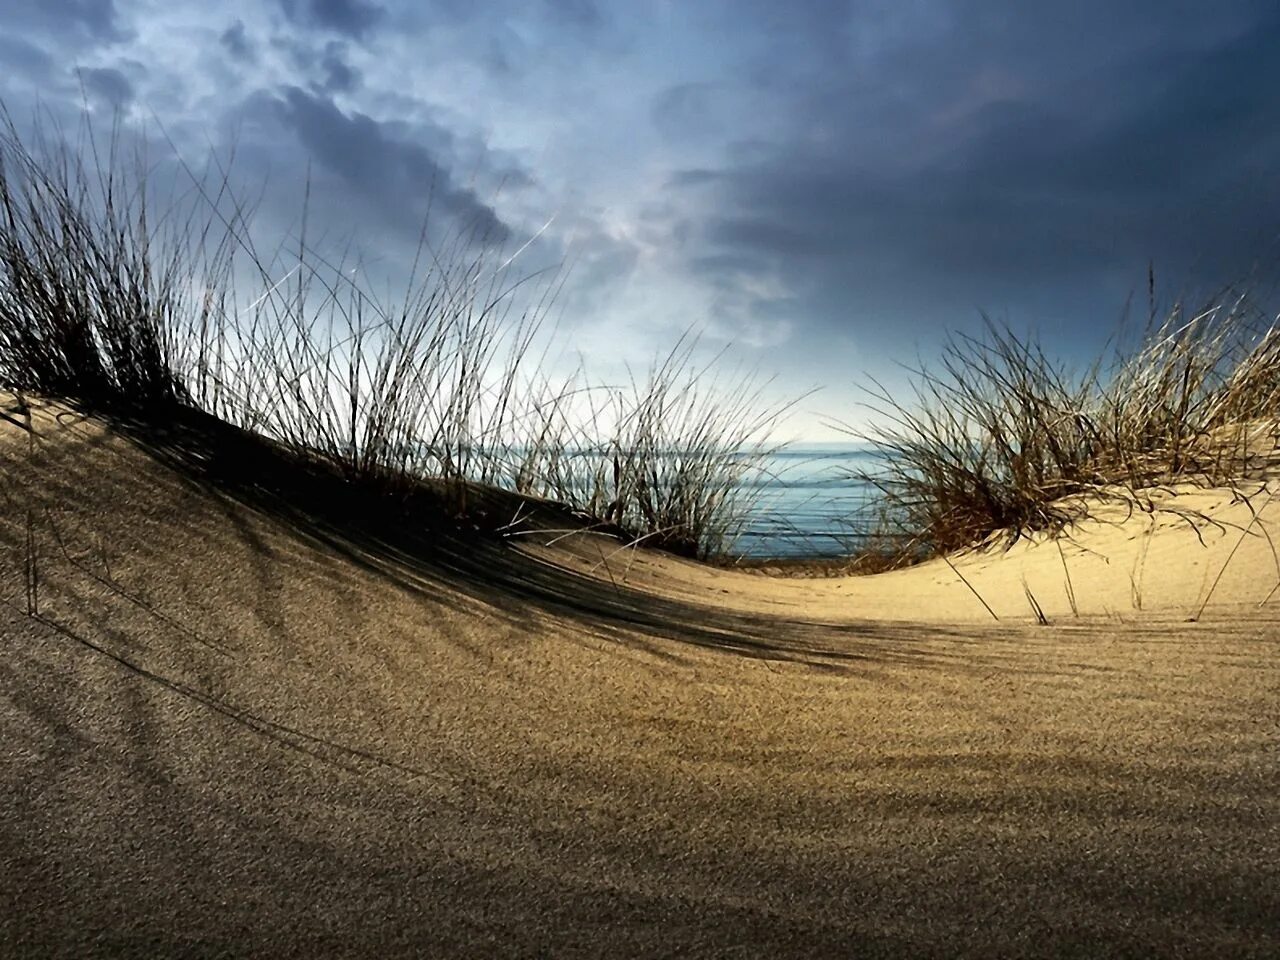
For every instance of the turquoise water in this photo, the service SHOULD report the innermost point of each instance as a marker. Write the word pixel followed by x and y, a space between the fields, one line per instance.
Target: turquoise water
pixel 809 505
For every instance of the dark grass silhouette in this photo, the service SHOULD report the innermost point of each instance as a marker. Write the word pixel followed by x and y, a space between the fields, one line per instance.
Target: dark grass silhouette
pixel 997 439
pixel 129 306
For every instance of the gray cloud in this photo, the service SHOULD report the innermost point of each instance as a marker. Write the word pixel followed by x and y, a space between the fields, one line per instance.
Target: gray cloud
pixel 21 57
pixel 686 110
pixel 107 85
pixel 326 66
pixel 579 13
pixel 399 176
pixel 339 76
pixel 237 43
pixel 355 18
pixel 507 54
pixel 858 172
pixel 695 178
pixel 1037 191
pixel 96 19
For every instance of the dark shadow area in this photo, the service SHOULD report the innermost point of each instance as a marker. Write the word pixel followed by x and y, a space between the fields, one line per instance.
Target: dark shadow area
pixel 326 750
pixel 417 537
pixel 452 547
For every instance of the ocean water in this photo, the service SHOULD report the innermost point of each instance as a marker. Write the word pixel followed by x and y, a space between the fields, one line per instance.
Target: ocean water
pixel 805 502
pixel 809 503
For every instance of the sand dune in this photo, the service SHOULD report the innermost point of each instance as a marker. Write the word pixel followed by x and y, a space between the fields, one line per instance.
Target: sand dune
pixel 1181 553
pixel 245 716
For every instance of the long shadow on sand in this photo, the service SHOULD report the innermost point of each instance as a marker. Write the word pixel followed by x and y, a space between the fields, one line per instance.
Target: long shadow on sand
pixel 414 539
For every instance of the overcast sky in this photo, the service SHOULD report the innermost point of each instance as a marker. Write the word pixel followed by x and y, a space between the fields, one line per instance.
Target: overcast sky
pixel 828 184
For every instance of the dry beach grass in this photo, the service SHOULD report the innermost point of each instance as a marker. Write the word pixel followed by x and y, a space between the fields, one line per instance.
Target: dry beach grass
pixel 139 300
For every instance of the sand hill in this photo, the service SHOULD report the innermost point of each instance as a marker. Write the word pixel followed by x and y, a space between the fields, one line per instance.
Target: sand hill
pixel 243 715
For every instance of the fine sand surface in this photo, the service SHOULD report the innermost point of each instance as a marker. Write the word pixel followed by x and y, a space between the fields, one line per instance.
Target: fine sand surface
pixel 244 718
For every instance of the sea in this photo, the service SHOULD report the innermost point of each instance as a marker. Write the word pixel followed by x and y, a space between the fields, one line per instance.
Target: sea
pixel 806 501
pixel 809 503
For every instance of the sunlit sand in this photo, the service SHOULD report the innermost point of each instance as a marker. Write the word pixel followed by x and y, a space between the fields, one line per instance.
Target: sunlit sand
pixel 236 725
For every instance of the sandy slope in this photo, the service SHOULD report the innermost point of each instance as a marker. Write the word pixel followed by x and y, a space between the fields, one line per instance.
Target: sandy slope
pixel 232 729
pixel 1183 553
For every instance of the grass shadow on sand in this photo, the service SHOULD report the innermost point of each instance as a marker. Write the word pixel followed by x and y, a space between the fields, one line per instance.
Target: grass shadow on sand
pixel 413 540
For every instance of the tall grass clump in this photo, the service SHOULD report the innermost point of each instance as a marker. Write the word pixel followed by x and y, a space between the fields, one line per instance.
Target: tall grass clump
pixel 388 392
pixel 96 288
pixel 669 458
pixel 123 300
pixel 996 439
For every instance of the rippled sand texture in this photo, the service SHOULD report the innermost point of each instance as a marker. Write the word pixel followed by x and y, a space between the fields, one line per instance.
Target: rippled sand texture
pixel 239 719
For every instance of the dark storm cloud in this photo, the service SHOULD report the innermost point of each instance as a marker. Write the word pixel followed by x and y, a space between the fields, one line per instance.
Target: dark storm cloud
pixel 735 264
pixel 326 65
pixel 684 110
pixel 236 41
pixel 799 38
pixel 762 235
pixel 19 57
pixel 355 18
pixel 851 171
pixel 579 13
pixel 503 57
pixel 1166 150
pixel 398 175
pixel 695 178
pixel 339 76
pixel 97 19
pixel 108 85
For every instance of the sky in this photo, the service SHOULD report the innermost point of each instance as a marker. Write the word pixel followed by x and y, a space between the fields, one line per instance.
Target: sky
pixel 826 187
